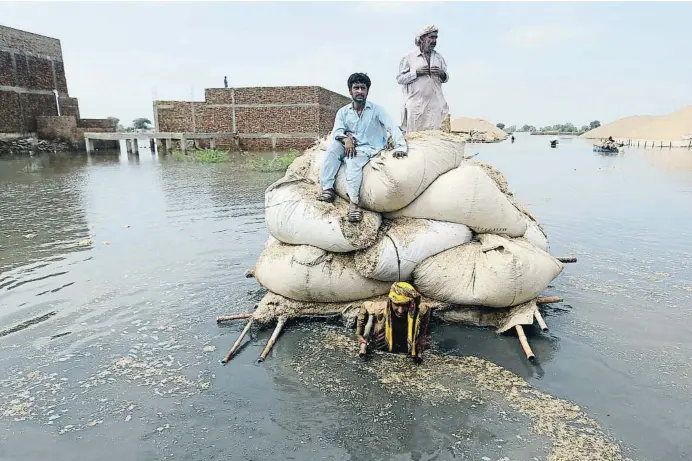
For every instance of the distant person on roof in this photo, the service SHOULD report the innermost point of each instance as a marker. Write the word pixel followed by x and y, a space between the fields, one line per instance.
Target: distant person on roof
pixel 421 73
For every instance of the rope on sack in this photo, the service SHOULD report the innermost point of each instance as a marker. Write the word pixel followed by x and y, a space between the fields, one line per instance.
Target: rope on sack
pixel 398 260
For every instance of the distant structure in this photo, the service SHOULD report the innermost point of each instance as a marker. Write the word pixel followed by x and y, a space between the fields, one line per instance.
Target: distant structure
pixel 33 90
pixel 259 118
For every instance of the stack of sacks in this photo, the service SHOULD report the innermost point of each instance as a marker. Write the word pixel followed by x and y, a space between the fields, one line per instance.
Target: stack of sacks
pixel 435 218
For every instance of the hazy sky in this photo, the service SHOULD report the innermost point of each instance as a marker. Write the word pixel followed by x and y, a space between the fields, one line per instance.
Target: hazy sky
pixel 538 63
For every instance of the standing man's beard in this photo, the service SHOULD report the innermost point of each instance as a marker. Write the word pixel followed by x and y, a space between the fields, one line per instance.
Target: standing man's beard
pixel 359 98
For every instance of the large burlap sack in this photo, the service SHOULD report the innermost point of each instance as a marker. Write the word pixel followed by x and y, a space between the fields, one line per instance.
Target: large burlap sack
pixel 304 167
pixel 535 235
pixel 467 195
pixel 307 273
pixel 392 183
pixel 406 243
pixel 494 271
pixel 294 215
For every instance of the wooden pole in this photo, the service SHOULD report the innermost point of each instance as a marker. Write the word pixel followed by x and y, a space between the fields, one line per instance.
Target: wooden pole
pixel 272 340
pixel 362 348
pixel 549 300
pixel 568 259
pixel 541 322
pixel 225 318
pixel 525 343
pixel 237 342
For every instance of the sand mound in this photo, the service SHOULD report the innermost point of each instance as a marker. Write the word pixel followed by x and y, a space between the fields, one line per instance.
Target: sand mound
pixel 672 127
pixel 489 131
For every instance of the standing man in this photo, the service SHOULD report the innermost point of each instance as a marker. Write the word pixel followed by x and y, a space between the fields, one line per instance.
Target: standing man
pixel 360 131
pixel 421 73
pixel 225 82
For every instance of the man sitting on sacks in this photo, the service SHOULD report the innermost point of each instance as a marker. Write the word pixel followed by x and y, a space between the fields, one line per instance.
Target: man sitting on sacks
pixel 400 325
pixel 360 131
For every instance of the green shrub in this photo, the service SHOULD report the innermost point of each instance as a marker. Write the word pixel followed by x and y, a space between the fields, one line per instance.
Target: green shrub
pixel 278 163
pixel 202 156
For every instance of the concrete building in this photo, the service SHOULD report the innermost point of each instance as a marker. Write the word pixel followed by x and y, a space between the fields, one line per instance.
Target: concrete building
pixel 33 90
pixel 263 118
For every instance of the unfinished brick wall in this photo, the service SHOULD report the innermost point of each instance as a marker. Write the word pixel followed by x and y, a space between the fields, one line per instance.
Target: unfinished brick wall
pixel 6 69
pixel 10 112
pixel 294 115
pixel 98 124
pixel 56 128
pixel 26 43
pixel 70 106
pixel 31 68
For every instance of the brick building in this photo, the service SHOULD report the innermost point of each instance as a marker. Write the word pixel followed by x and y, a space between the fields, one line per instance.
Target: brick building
pixel 263 117
pixel 31 68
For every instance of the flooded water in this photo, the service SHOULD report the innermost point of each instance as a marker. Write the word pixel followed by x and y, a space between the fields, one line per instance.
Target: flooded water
pixel 113 269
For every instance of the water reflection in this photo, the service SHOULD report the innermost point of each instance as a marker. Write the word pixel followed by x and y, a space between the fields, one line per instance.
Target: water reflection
pixel 164 245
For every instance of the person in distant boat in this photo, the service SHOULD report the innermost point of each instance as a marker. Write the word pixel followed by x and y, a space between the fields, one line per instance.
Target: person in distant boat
pixel 400 324
pixel 421 73
pixel 360 131
pixel 512 138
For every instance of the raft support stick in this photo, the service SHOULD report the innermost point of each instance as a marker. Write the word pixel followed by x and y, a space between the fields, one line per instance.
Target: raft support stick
pixel 237 342
pixel 568 259
pixel 525 343
pixel 225 318
pixel 549 300
pixel 362 348
pixel 272 340
pixel 541 322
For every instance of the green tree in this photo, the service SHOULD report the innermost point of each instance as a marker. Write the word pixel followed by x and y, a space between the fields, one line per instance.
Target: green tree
pixel 500 126
pixel 141 123
pixel 511 129
pixel 595 124
pixel 585 128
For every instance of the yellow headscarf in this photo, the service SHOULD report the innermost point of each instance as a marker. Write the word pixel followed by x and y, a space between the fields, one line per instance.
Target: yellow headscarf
pixel 403 293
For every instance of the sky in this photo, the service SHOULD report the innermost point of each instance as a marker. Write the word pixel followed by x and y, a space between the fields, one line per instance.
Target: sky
pixel 537 63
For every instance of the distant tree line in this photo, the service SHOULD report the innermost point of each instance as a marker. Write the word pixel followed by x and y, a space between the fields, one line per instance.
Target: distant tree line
pixel 137 124
pixel 559 128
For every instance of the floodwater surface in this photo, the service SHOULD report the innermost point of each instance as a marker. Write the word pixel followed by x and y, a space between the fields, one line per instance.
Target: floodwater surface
pixel 113 269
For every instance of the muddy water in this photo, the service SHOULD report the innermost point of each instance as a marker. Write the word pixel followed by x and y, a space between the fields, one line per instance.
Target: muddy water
pixel 113 268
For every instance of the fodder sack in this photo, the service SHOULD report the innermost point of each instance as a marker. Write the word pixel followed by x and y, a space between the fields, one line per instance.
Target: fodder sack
pixel 392 183
pixel 294 215
pixel 467 195
pixel 536 236
pixel 494 271
pixel 405 243
pixel 306 273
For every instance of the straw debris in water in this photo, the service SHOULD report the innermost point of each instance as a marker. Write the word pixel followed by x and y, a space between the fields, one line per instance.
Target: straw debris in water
pixel 444 380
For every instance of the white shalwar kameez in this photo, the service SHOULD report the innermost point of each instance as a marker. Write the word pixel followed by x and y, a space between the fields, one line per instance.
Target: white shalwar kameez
pixel 425 106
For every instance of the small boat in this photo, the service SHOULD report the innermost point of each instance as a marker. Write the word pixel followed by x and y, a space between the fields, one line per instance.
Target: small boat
pixel 554 142
pixel 609 148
